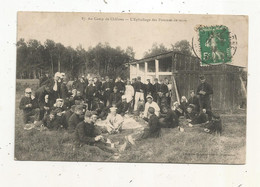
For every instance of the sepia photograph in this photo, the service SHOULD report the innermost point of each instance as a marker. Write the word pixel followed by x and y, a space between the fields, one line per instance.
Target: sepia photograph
pixel 131 87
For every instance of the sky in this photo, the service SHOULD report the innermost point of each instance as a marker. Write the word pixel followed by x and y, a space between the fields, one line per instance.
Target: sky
pixel 139 31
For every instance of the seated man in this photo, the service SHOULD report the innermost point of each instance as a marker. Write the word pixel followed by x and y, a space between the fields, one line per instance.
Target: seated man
pixel 114 121
pixel 122 107
pixel 176 107
pixel 194 100
pixel 191 115
pixel 148 104
pixel 215 125
pixel 170 119
pixel 67 115
pixel 195 118
pixel 54 120
pixel 30 108
pixel 153 130
pixel 75 118
pixel 85 133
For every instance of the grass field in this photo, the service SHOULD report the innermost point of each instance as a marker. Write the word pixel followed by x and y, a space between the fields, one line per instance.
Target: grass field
pixel 191 146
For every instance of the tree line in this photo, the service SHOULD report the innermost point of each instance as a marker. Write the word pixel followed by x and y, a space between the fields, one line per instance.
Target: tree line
pixel 35 59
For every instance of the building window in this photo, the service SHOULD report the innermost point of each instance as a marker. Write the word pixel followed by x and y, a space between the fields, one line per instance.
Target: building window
pixel 151 66
pixel 165 64
pixel 141 67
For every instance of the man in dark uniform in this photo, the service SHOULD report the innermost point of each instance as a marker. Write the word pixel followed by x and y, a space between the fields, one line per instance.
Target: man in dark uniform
pixel 162 94
pixel 149 88
pixel 107 90
pixel 87 133
pixel 115 97
pixel 98 85
pixel 204 91
pixel 170 120
pixel 139 92
pixel 75 118
pixel 29 106
pixel 156 89
pixel 120 85
pixel 44 79
pixel 64 92
pixel 40 94
pixel 80 85
pixel 90 93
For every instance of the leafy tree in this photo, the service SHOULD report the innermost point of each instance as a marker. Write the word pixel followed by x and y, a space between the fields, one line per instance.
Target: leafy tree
pixel 182 46
pixel 156 50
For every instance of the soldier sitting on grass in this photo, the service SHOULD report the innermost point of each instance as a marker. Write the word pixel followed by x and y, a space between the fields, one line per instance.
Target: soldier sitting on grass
pixel 148 104
pixel 153 130
pixel 194 118
pixel 86 133
pixel 76 118
pixel 54 120
pixel 114 121
pixel 168 118
pixel 30 108
pixel 215 125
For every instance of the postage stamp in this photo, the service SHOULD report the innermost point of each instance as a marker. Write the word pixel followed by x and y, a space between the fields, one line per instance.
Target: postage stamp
pixel 215 44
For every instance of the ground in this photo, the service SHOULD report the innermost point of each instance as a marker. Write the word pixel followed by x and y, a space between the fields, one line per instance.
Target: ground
pixel 191 146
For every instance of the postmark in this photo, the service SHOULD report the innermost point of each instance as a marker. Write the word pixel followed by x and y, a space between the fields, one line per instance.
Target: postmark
pixel 215 44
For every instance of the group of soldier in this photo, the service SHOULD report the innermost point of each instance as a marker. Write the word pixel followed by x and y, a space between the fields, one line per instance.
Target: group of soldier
pixel 76 105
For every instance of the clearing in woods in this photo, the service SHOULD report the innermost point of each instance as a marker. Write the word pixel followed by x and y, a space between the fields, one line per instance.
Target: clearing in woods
pixel 191 146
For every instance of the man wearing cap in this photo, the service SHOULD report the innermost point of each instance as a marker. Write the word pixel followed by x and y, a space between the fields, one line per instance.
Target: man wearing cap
pixel 86 133
pixel 80 85
pixel 153 130
pixel 149 88
pixel 98 84
pixel 150 103
pixel 162 93
pixel 139 92
pixel 204 91
pixel 107 88
pixel 120 85
pixel 115 97
pixel 75 118
pixel 90 93
pixel 54 120
pixel 156 89
pixel 29 106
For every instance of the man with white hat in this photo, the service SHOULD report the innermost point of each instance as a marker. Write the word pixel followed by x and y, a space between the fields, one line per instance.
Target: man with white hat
pixel 29 106
pixel 148 104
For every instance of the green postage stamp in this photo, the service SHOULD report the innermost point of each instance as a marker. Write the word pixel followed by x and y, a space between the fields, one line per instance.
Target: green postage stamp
pixel 215 44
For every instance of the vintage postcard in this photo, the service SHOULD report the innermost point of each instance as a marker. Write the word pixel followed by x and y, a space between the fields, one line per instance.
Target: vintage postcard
pixel 121 87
